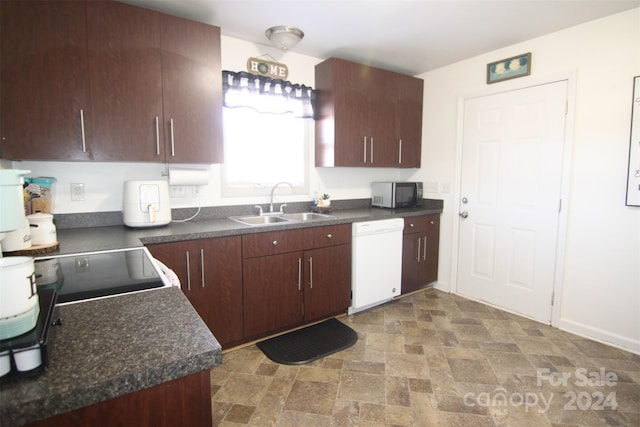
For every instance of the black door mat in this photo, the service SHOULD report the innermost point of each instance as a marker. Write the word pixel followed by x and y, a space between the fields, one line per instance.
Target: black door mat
pixel 308 344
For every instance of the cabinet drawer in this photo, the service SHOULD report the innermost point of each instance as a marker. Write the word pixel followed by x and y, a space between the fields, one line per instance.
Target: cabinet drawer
pixel 420 224
pixel 277 242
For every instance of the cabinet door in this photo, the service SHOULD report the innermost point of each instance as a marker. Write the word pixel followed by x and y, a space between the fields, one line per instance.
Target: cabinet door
pixel 408 120
pixel 220 262
pixel 410 262
pixel 351 113
pixel 44 81
pixel 126 82
pixel 192 85
pixel 431 249
pixel 272 293
pixel 420 249
pixel 383 150
pixel 210 273
pixel 327 281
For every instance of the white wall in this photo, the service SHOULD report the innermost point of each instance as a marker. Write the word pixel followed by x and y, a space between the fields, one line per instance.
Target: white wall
pixel 601 283
pixel 104 181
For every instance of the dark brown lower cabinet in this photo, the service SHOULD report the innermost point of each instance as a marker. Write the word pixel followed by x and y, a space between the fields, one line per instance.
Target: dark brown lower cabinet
pixel 273 293
pixel 210 273
pixel 246 287
pixel 295 277
pixel 182 402
pixel 420 251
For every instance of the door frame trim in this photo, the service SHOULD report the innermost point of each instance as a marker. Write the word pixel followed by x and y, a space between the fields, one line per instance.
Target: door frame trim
pixel 563 219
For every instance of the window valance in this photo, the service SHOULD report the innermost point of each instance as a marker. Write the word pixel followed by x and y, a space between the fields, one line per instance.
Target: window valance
pixel 267 95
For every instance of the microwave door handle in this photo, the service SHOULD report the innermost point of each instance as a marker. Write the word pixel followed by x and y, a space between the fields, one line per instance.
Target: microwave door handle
pixel 394 190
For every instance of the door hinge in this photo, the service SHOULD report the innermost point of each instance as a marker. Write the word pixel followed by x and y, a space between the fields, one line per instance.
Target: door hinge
pixel 560 206
pixel 553 298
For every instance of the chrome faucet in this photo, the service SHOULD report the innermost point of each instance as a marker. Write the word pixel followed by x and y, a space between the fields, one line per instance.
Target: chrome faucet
pixel 273 189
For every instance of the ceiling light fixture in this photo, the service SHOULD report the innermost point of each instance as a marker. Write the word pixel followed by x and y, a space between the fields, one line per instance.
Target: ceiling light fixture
pixel 284 36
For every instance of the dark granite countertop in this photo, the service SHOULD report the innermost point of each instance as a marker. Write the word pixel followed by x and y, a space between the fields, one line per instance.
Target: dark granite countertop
pixel 110 347
pixel 88 239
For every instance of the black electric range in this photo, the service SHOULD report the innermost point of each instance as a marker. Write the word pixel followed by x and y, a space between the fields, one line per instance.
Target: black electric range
pixel 89 275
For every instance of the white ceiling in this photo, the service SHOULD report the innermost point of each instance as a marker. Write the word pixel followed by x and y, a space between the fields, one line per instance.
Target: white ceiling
pixel 409 36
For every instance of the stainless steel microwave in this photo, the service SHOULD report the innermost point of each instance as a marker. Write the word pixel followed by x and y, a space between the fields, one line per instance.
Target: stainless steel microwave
pixel 396 194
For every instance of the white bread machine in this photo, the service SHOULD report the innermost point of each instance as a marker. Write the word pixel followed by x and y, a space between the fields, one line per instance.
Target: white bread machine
pixel 146 203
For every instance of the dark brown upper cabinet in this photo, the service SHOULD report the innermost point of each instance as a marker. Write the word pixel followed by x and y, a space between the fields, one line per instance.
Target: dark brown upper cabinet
pixel 44 81
pixel 366 116
pixel 107 81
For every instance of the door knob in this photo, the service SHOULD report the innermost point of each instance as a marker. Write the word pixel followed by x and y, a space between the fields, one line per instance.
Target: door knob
pixel 464 214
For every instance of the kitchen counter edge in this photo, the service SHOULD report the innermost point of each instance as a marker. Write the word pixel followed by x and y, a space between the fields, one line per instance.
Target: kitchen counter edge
pixel 99 354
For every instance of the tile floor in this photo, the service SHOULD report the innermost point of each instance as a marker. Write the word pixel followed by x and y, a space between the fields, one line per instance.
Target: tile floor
pixel 436 359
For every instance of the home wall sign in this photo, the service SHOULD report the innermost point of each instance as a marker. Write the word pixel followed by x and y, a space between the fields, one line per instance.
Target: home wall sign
pixel 509 68
pixel 633 178
pixel 262 67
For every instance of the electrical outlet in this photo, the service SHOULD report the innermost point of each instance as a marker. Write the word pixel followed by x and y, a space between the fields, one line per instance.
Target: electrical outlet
pixel 177 191
pixel 77 192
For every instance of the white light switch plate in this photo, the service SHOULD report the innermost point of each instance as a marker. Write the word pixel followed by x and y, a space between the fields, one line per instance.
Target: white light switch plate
pixel 431 187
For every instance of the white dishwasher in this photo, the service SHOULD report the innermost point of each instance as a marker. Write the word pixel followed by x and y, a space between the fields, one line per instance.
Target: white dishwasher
pixel 376 270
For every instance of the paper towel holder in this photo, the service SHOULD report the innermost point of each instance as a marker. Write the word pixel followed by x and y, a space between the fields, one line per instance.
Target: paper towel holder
pixel 187 177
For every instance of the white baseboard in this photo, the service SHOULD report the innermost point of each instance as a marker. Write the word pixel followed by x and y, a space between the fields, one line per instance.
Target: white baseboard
pixel 600 335
pixel 442 286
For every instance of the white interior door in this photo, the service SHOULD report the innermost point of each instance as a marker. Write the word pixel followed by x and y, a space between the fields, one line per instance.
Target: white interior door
pixel 510 198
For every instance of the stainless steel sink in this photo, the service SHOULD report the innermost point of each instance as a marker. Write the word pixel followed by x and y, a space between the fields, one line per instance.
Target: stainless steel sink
pixel 306 216
pixel 270 218
pixel 259 220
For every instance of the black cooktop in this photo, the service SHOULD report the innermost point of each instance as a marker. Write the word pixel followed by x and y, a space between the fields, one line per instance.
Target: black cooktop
pixel 97 274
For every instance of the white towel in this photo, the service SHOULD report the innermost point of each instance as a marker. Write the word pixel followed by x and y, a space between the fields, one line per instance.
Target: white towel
pixel 168 273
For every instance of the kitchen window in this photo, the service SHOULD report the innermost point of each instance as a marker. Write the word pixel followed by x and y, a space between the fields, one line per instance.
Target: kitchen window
pixel 267 126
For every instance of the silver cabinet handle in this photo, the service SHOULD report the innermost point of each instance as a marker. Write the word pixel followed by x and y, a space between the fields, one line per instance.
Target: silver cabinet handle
pixel 274 243
pixel 329 236
pixel 157 136
pixel 371 149
pixel 424 249
pixel 419 241
pixel 310 273
pixel 84 141
pixel 202 266
pixel 400 153
pixel 188 272
pixel 411 225
pixel 432 222
pixel 173 145
pixel 299 273
pixel 364 150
